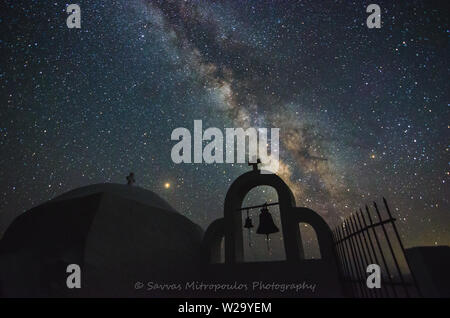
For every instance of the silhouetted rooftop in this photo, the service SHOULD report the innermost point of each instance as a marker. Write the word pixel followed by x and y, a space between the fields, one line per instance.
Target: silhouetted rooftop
pixel 134 193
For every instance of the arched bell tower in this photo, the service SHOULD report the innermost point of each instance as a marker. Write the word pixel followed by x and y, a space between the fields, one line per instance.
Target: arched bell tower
pixel 234 247
pixel 230 226
pixel 324 272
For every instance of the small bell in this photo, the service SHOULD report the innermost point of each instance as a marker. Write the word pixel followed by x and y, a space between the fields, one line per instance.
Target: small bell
pixel 266 224
pixel 248 225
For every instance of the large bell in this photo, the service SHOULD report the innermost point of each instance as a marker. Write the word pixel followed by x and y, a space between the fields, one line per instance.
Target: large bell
pixel 266 224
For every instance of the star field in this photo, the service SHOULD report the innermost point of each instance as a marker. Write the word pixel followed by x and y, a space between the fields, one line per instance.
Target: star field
pixel 363 113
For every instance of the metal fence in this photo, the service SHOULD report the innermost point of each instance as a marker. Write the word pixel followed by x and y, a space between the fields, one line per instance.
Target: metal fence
pixel 368 237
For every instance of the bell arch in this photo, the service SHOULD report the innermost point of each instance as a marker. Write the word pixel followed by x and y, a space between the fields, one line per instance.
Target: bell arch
pixel 323 231
pixel 311 246
pixel 234 248
pixel 324 271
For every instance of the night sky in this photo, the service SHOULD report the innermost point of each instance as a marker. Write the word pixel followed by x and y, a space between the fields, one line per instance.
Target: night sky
pixel 363 113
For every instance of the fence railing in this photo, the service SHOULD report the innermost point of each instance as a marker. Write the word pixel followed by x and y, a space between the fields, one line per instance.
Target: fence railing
pixel 372 238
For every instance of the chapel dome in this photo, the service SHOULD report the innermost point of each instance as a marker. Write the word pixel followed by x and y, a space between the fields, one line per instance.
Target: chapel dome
pixel 118 234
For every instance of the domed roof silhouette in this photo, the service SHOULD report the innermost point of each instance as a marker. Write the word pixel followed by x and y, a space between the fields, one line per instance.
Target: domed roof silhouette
pixel 118 234
pixel 134 193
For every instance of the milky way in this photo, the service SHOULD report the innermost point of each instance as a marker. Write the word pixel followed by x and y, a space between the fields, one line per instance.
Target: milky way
pixel 363 113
